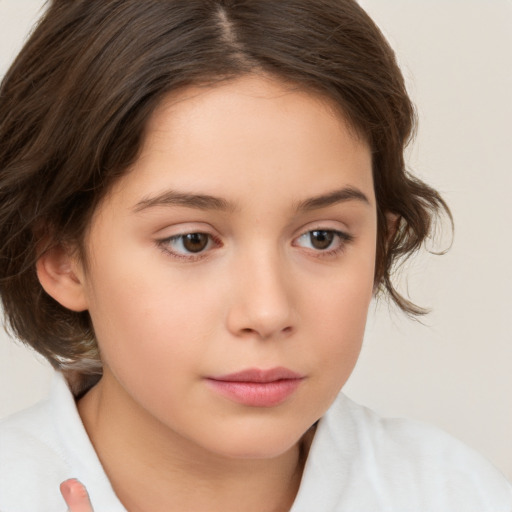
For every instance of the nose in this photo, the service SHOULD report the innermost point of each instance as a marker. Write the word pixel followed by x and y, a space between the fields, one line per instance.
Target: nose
pixel 262 298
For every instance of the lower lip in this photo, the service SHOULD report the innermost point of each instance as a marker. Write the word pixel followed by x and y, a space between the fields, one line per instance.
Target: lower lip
pixel 256 394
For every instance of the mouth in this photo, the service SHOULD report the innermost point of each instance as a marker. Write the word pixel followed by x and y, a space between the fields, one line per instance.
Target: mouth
pixel 257 388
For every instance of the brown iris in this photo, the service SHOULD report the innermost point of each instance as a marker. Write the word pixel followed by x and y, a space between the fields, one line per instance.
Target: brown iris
pixel 195 242
pixel 321 239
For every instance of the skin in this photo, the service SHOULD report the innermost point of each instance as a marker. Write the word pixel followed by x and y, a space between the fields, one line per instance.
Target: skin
pixel 263 293
pixel 76 497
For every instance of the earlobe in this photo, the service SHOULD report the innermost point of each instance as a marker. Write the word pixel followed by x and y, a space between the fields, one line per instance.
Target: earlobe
pixel 61 277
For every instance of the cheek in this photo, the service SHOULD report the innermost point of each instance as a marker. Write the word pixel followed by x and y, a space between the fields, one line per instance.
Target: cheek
pixel 345 292
pixel 149 342
pixel 338 318
pixel 154 323
pixel 341 328
pixel 146 313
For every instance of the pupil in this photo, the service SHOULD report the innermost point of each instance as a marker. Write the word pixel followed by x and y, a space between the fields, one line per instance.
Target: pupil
pixel 195 242
pixel 321 239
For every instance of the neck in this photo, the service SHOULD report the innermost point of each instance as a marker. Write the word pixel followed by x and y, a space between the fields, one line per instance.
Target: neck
pixel 152 468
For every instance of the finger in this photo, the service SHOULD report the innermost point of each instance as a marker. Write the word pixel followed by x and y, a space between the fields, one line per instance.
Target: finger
pixel 76 497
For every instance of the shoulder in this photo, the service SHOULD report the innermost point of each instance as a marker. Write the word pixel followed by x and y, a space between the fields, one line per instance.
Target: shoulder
pixel 43 446
pixel 404 440
pixel 32 462
pixel 375 463
pixel 399 442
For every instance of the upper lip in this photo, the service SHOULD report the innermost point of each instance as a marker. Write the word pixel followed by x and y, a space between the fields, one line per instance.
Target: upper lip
pixel 259 375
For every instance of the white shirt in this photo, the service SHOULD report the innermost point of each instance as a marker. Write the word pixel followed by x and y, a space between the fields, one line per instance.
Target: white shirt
pixel 358 462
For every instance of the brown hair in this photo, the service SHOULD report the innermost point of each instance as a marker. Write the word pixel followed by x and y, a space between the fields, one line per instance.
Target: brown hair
pixel 75 103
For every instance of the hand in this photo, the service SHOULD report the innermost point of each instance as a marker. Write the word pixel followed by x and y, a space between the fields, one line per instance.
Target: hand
pixel 76 497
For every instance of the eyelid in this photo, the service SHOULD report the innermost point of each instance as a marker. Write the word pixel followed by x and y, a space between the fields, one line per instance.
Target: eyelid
pixel 183 228
pixel 163 244
pixel 344 239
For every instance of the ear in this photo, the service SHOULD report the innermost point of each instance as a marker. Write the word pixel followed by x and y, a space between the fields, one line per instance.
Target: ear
pixel 61 276
pixel 393 221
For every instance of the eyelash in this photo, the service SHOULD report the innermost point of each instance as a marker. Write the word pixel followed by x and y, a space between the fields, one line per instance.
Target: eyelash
pixel 343 240
pixel 164 244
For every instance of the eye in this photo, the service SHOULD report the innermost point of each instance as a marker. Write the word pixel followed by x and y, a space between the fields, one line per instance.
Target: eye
pixel 194 242
pixel 187 244
pixel 320 239
pixel 327 240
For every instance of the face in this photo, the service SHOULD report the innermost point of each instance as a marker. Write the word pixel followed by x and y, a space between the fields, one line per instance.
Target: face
pixel 231 269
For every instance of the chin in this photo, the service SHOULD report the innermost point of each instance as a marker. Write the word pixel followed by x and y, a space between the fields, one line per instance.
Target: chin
pixel 257 442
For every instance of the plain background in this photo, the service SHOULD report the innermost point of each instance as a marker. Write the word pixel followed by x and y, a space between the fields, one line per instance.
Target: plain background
pixel 455 369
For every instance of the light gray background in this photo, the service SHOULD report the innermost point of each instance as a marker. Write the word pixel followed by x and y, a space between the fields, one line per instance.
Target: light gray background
pixel 456 370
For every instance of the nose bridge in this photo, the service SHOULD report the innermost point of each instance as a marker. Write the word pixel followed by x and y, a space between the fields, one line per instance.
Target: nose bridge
pixel 262 299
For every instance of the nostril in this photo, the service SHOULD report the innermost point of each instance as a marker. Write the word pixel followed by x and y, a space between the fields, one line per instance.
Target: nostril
pixel 248 331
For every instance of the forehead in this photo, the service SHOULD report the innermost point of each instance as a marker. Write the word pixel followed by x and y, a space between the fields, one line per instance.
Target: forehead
pixel 254 134
pixel 252 99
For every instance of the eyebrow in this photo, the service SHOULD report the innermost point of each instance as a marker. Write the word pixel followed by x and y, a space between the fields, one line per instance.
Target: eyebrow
pixel 208 202
pixel 337 196
pixel 174 198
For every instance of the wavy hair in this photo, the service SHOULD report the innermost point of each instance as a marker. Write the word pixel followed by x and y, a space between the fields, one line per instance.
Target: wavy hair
pixel 75 103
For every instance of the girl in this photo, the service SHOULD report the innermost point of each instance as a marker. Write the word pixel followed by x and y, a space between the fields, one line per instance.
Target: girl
pixel 199 199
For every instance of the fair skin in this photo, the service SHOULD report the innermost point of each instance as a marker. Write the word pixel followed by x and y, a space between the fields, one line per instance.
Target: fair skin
pixel 275 193
pixel 76 497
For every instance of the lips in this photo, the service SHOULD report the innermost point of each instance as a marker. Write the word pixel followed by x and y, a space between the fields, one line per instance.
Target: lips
pixel 257 388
